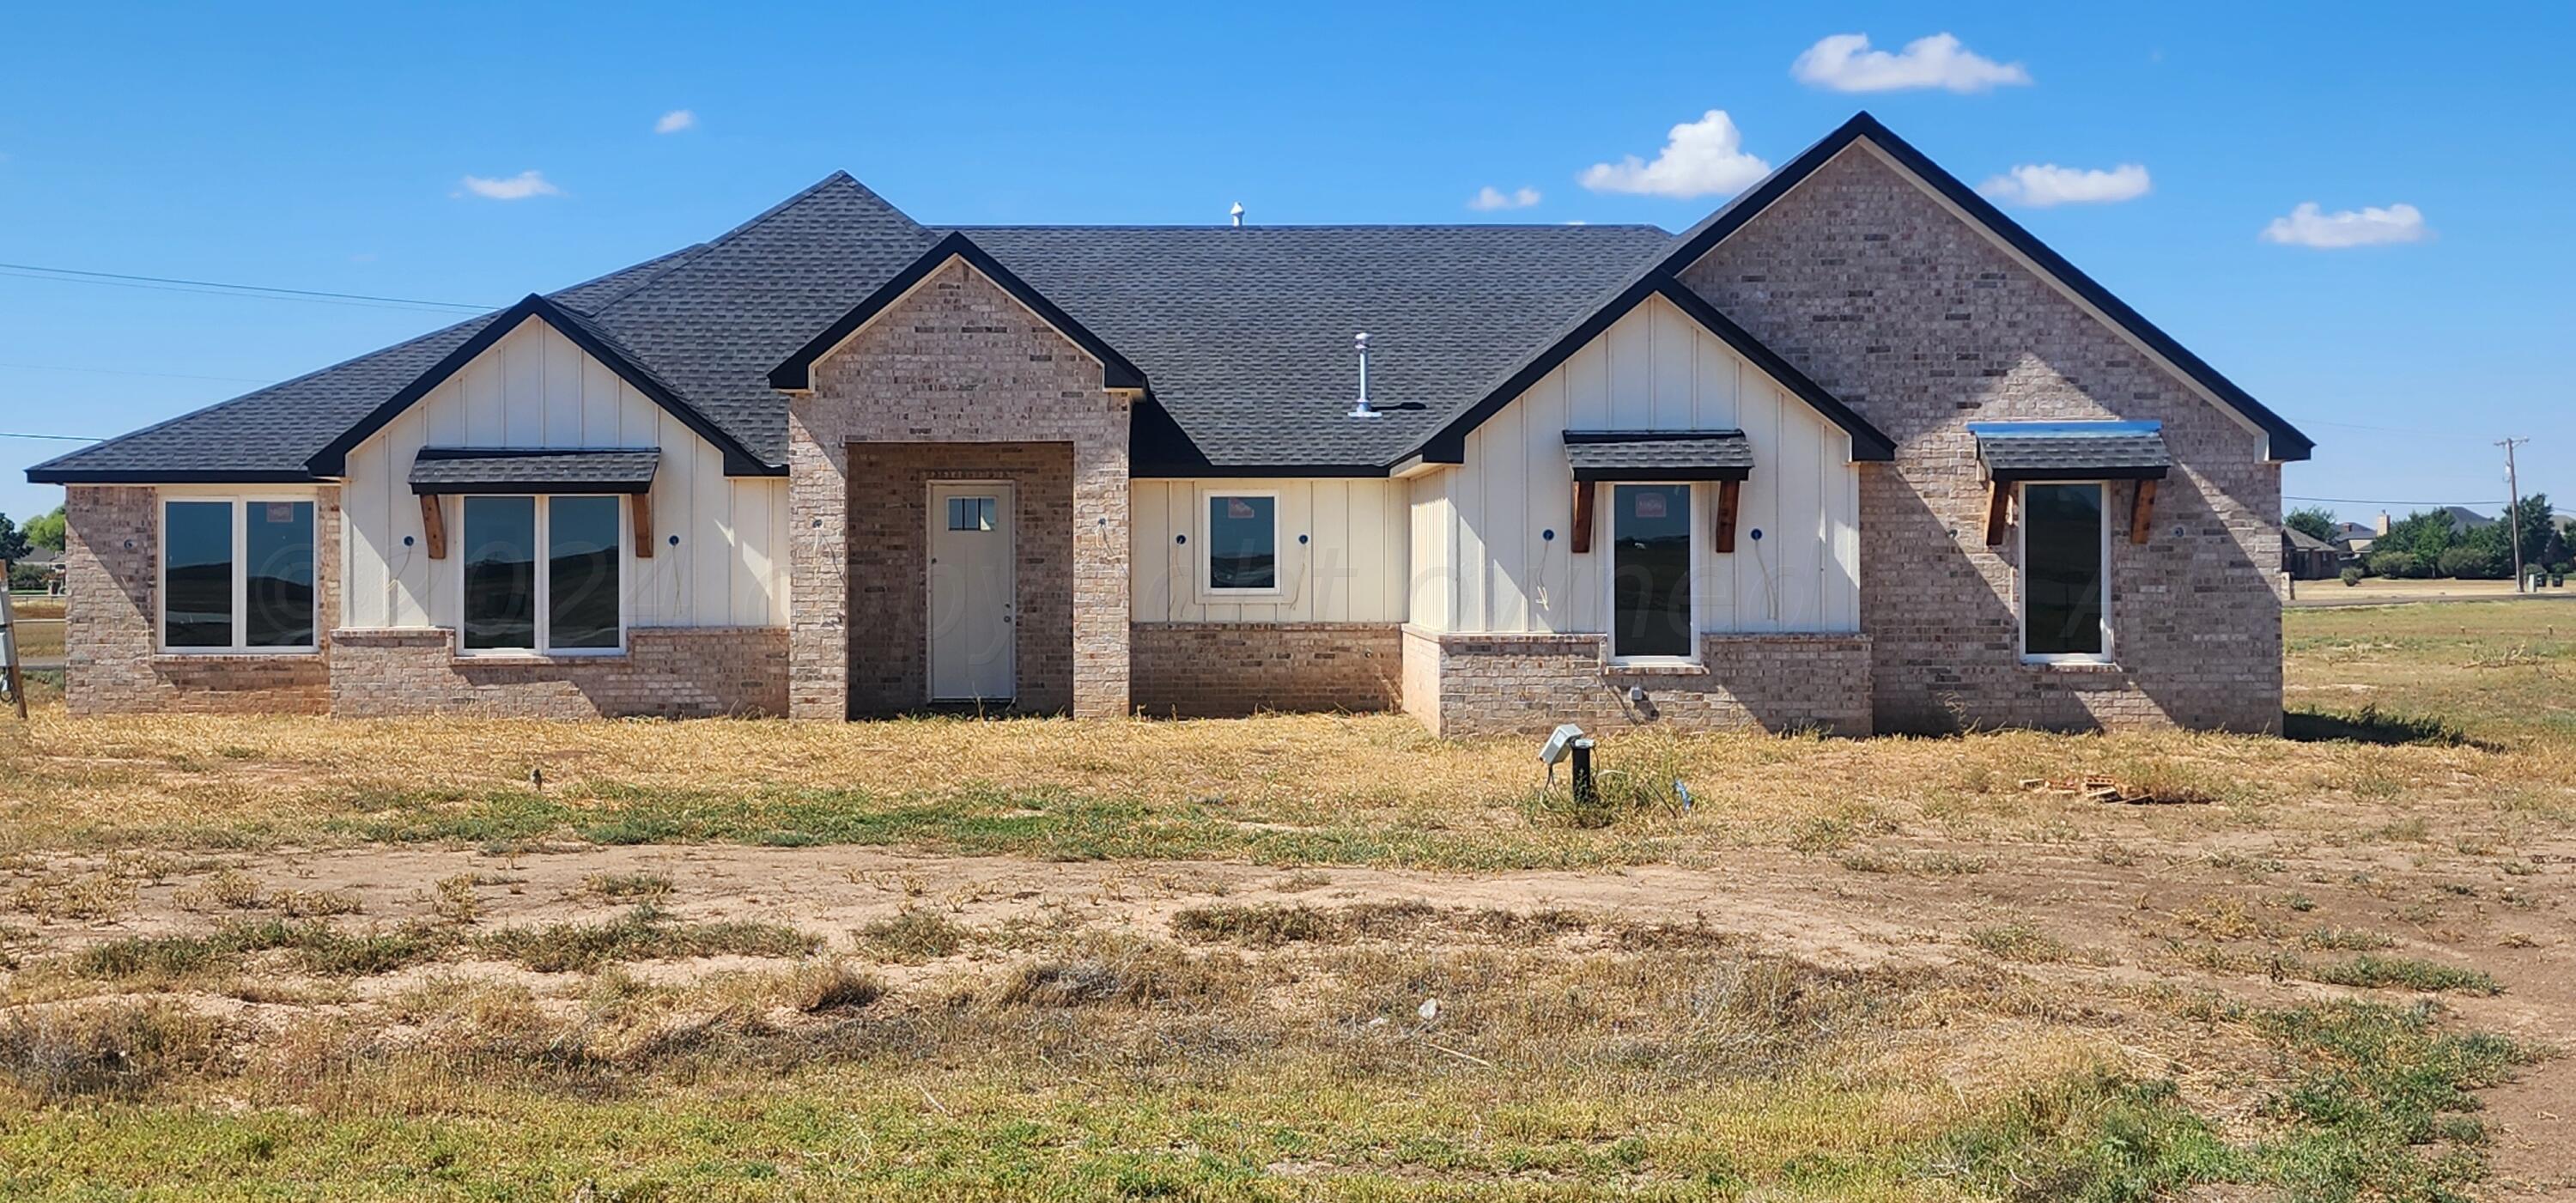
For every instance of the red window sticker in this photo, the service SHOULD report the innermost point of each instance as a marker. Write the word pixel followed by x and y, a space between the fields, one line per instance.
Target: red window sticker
pixel 1650 505
pixel 1236 507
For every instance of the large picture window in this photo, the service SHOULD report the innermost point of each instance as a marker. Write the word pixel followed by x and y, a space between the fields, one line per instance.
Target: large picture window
pixel 1650 577
pixel 541 574
pixel 2065 574
pixel 237 575
pixel 1242 543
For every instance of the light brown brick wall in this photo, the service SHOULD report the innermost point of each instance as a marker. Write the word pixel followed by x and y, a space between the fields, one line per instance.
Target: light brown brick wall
pixel 889 531
pixel 1502 683
pixel 669 672
pixel 1923 325
pixel 1228 669
pixel 958 361
pixel 111 649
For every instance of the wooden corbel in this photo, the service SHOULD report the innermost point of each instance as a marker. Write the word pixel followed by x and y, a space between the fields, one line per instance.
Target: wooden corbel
pixel 1998 511
pixel 2142 510
pixel 1727 495
pixel 643 523
pixel 1582 530
pixel 433 526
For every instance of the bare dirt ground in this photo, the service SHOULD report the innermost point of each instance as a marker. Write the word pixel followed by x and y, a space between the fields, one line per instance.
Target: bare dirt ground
pixel 2113 918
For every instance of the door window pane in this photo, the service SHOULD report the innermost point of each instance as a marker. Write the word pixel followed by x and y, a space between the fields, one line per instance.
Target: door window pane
pixel 500 572
pixel 970 513
pixel 197 574
pixel 1650 587
pixel 2062 569
pixel 278 544
pixel 581 572
pixel 1243 542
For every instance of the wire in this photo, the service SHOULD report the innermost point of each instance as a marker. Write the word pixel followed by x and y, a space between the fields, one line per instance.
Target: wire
pixel 219 288
pixel 68 438
pixel 2380 501
pixel 53 367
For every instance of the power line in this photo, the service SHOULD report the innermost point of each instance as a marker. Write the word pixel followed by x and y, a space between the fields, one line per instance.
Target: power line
pixel 55 367
pixel 67 275
pixel 2379 501
pixel 68 438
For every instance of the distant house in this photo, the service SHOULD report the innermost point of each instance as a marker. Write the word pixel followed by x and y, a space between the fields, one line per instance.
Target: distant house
pixel 2464 519
pixel 48 563
pixel 2308 558
pixel 2355 538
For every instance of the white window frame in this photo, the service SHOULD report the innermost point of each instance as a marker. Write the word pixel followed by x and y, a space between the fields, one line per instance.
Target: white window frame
pixel 1208 590
pixel 240 503
pixel 544 535
pixel 1609 542
pixel 2021 577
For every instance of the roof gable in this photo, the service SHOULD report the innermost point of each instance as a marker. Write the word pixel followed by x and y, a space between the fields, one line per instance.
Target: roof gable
pixel 332 458
pixel 1448 445
pixel 2286 442
pixel 796 371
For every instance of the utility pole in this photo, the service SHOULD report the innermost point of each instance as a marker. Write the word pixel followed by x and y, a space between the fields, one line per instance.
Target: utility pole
pixel 2513 509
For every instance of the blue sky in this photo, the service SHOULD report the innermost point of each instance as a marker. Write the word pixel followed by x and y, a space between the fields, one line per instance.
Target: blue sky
pixel 328 148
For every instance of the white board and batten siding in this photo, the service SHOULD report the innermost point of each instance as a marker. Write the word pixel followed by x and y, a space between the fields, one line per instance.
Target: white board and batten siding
pixel 535 388
pixel 1351 568
pixel 1654 369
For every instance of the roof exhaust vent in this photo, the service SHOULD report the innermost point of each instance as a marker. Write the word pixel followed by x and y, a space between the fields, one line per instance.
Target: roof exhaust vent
pixel 1360 408
pixel 1237 214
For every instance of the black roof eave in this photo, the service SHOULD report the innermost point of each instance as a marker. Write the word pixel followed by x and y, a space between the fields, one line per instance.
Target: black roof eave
pixel 332 459
pixel 1448 445
pixel 797 370
pixel 2286 441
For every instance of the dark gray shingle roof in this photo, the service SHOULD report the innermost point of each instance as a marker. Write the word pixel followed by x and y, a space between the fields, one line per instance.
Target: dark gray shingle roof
pixel 1658 455
pixel 1243 333
pixel 2071 450
pixel 532 470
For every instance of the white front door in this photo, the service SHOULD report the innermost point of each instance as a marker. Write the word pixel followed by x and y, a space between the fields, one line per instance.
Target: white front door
pixel 972 595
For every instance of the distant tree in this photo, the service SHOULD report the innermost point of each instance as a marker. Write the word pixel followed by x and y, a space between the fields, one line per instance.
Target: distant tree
pixel 13 542
pixel 2424 534
pixel 2351 575
pixel 2316 522
pixel 47 530
pixel 2399 564
pixel 2476 561
pixel 2531 522
pixel 2556 552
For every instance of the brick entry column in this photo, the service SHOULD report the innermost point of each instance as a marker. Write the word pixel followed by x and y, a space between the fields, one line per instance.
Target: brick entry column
pixel 958 360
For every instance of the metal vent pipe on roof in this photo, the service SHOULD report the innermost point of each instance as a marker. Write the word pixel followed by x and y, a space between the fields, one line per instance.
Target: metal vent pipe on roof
pixel 1237 214
pixel 1360 408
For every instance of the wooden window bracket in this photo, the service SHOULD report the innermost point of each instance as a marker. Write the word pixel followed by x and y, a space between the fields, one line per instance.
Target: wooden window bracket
pixel 2142 511
pixel 1998 511
pixel 1728 494
pixel 1582 530
pixel 643 507
pixel 433 526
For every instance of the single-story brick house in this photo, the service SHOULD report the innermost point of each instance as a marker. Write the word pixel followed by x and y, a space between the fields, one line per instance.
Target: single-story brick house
pixel 1855 452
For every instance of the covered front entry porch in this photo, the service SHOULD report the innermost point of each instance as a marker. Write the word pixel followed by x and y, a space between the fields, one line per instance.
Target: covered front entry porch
pixel 961 571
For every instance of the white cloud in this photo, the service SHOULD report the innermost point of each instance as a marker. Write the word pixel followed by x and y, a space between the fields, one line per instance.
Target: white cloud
pixel 1700 158
pixel 1845 63
pixel 1489 198
pixel 518 187
pixel 2044 184
pixel 675 121
pixel 2369 226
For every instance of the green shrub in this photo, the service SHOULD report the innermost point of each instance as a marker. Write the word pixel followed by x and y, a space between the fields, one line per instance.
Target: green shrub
pixel 2352 574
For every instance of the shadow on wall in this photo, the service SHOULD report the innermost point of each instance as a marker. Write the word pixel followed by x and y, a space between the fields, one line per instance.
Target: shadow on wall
pixel 1947 631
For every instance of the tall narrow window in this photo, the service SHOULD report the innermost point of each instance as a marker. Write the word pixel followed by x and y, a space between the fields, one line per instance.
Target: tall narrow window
pixel 1243 543
pixel 542 574
pixel 1650 580
pixel 581 572
pixel 500 573
pixel 2065 564
pixel 197 574
pixel 237 576
pixel 277 573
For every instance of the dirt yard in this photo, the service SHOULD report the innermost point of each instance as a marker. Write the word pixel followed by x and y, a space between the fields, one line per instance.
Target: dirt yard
pixel 1306 957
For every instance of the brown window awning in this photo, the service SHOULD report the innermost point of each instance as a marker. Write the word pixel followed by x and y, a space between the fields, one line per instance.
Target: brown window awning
pixel 532 470
pixel 1634 455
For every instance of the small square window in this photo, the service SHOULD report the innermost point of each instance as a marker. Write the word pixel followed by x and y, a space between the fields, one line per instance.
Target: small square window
pixel 970 513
